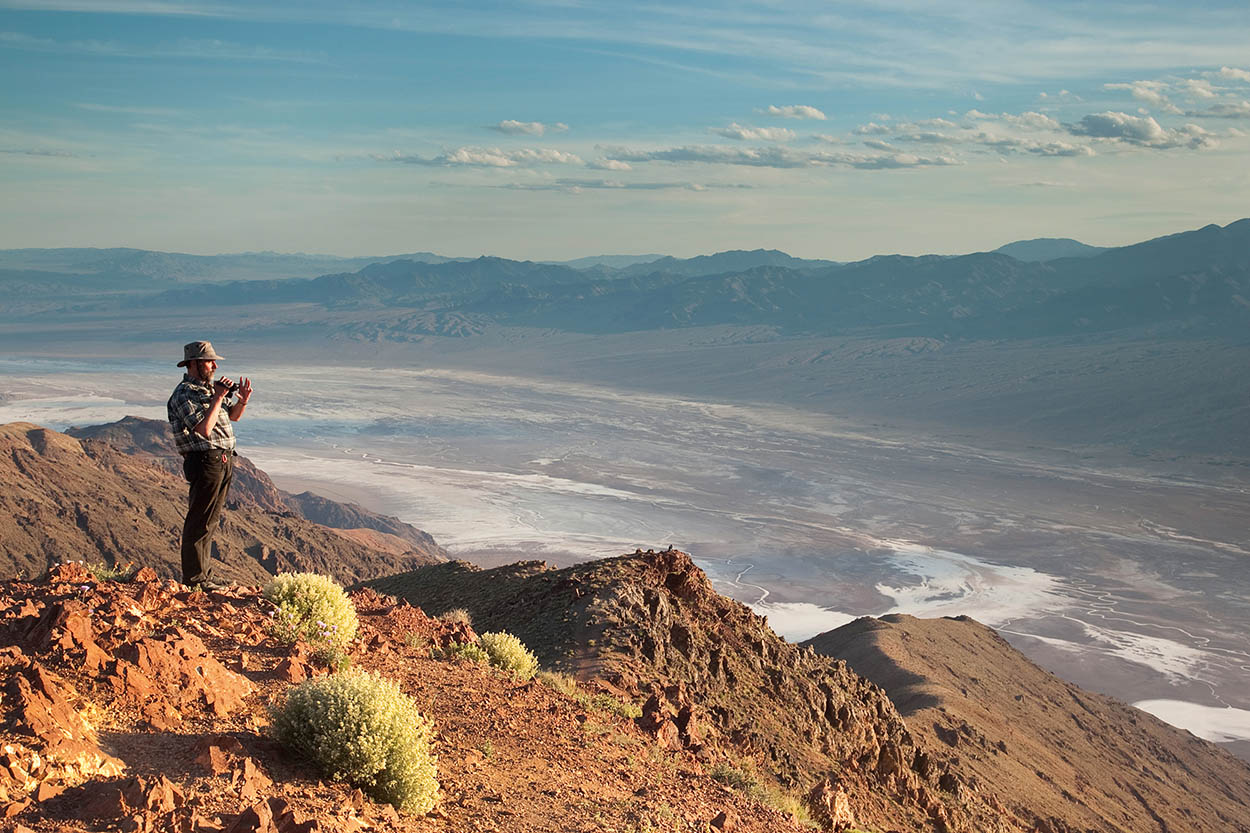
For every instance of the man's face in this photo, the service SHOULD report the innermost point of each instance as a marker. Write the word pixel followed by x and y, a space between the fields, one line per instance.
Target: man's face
pixel 203 370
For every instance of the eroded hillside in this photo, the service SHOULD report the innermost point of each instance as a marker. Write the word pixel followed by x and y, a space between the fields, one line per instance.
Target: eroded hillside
pixel 66 501
pixel 1070 759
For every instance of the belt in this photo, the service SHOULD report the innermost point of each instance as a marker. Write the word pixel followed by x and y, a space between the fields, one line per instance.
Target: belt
pixel 223 453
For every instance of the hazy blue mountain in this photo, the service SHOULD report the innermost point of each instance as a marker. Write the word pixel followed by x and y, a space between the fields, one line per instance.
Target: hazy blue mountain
pixel 177 267
pixel 722 262
pixel 610 261
pixel 1041 249
pixel 395 283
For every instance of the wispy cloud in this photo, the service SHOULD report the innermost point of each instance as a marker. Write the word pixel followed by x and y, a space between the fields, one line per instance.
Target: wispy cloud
pixel 488 158
pixel 48 152
pixel 1231 110
pixel 578 185
pixel 183 48
pixel 1018 144
pixel 528 128
pixel 795 111
pixel 755 134
pixel 779 157
pixel 129 110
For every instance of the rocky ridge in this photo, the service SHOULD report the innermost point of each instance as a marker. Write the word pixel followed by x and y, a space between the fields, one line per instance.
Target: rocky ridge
pixel 68 500
pixel 717 681
pixel 140 706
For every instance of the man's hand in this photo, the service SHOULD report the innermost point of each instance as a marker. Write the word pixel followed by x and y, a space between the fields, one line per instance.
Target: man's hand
pixel 245 393
pixel 223 386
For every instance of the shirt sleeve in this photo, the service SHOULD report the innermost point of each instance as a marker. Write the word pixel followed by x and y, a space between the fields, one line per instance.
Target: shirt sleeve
pixel 189 410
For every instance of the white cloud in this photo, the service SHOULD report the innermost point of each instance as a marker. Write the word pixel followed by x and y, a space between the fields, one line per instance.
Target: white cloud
pixel 928 137
pixel 490 157
pixel 1199 88
pixel 1140 130
pixel 1150 92
pixel 528 128
pixel 795 111
pixel 877 144
pixel 609 165
pixel 1032 119
pixel 1233 74
pixel 872 129
pixel 756 134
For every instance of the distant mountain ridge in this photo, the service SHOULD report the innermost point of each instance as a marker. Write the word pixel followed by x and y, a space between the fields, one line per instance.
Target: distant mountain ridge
pixel 1042 249
pixel 1191 283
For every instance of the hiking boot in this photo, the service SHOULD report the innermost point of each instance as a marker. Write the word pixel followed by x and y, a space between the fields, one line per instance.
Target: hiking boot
pixel 207 586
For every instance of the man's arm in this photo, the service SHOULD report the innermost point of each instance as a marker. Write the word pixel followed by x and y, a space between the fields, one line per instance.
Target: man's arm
pixel 245 393
pixel 205 426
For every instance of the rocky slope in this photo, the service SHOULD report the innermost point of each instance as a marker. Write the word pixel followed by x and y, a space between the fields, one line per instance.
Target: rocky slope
pixel 142 707
pixel 1064 758
pixel 66 501
pixel 718 681
pixel 152 439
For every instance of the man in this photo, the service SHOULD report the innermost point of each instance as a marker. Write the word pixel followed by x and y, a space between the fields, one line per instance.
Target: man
pixel 201 419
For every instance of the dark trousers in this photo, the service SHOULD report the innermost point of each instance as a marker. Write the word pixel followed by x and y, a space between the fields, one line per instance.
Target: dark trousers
pixel 209 473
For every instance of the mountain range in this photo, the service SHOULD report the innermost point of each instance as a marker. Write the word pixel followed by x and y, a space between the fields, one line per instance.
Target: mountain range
pixel 1192 284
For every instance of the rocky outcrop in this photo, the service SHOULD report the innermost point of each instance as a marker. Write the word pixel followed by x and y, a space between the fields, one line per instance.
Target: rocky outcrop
pixel 717 680
pixel 70 502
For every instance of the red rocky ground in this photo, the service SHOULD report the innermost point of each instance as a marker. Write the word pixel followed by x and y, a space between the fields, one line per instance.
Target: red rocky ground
pixel 140 706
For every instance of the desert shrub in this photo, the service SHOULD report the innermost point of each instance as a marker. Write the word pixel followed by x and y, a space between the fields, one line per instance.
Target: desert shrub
pixel 750 784
pixel 102 572
pixel 360 728
pixel 457 615
pixel 561 682
pixel 738 778
pixel 509 653
pixel 607 703
pixel 567 685
pixel 311 607
pixel 468 650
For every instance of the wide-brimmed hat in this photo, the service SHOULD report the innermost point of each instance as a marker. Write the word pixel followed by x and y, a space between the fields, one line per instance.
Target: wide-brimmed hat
pixel 197 351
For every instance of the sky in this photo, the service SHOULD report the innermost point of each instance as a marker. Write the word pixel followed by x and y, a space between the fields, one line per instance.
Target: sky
pixel 555 129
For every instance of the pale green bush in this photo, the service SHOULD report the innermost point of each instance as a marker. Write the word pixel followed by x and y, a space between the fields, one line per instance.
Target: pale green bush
pixel 467 650
pixel 567 685
pixel 509 653
pixel 360 728
pixel 457 615
pixel 312 608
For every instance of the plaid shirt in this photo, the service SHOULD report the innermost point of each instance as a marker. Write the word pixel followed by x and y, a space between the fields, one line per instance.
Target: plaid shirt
pixel 188 406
